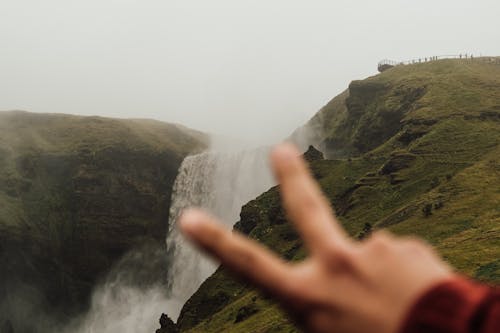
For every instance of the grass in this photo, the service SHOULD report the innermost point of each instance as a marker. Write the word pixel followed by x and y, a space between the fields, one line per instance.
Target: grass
pixel 24 137
pixel 78 192
pixel 60 133
pixel 435 175
pixel 268 318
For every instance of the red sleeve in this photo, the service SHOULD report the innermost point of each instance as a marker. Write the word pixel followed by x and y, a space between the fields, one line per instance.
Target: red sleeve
pixel 456 306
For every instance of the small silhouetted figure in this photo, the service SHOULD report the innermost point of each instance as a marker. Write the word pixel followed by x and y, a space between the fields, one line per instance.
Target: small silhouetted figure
pixel 460 56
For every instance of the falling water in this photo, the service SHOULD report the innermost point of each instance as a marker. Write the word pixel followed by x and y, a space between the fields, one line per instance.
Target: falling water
pixel 134 294
pixel 220 183
pixel 131 298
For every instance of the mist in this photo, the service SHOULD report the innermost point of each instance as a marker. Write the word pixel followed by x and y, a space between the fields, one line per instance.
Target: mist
pixel 149 281
pixel 130 298
pixel 247 72
pixel 253 70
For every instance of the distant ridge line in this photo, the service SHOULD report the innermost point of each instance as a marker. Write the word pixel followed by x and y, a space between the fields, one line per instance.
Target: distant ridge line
pixel 386 64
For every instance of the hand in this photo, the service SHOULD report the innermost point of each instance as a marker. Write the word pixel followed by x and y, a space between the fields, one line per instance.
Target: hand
pixel 344 285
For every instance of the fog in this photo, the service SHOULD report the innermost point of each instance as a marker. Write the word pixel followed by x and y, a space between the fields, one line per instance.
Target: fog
pixel 249 69
pixel 130 299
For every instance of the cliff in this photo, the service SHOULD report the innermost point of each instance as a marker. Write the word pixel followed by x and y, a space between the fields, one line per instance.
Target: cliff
pixel 415 150
pixel 76 193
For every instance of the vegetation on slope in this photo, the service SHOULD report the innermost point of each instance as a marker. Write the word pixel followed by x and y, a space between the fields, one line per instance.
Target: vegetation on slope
pixel 415 150
pixel 76 193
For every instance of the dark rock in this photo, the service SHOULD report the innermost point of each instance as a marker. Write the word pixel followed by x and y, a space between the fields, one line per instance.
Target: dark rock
pixel 7 327
pixel 245 312
pixel 276 215
pixel 366 232
pixel 249 217
pixel 368 179
pixel 427 210
pixel 312 154
pixel 438 204
pixel 167 325
pixel 399 160
pixel 201 306
pixel 413 132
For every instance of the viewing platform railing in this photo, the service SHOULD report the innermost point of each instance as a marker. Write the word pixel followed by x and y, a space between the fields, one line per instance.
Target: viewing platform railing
pixel 387 64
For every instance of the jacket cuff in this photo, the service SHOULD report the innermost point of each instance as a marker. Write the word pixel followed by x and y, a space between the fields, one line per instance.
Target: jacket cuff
pixel 451 306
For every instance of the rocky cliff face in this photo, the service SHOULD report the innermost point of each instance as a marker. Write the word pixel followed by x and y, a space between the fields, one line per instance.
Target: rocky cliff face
pixel 77 193
pixel 415 150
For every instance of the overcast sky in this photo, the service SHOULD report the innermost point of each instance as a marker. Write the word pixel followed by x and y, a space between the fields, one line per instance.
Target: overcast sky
pixel 251 69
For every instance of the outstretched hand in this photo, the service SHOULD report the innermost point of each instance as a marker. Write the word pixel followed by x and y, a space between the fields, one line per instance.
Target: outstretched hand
pixel 344 285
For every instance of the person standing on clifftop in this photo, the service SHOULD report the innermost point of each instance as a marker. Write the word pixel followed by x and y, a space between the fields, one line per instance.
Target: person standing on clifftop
pixel 384 284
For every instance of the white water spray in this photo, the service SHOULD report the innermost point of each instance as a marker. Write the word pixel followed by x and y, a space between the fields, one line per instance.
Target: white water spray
pixel 130 299
pixel 220 183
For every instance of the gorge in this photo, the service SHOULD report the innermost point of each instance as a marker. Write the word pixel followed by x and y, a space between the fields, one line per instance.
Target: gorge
pixel 87 204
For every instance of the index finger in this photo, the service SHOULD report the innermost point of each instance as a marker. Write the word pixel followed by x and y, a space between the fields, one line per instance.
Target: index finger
pixel 305 204
pixel 243 256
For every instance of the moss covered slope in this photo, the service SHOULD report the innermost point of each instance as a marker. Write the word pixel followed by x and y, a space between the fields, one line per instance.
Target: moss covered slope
pixel 416 150
pixel 76 193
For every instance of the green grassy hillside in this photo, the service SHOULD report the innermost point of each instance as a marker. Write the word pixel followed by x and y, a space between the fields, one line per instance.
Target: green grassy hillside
pixel 76 193
pixel 415 150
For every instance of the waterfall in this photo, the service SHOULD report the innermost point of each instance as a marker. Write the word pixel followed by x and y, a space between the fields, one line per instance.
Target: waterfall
pixel 131 297
pixel 220 182
pixel 133 294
